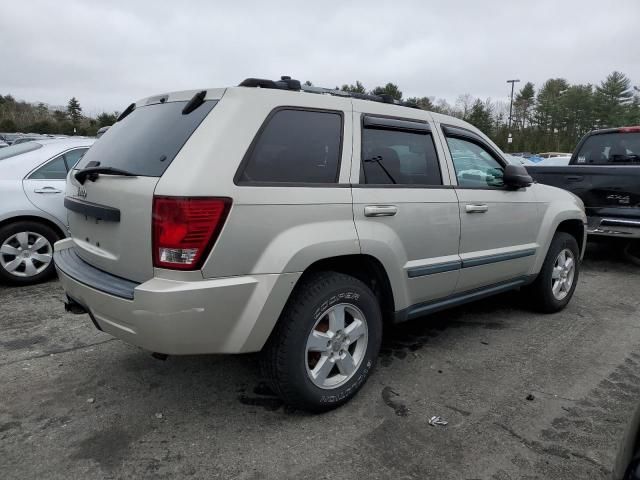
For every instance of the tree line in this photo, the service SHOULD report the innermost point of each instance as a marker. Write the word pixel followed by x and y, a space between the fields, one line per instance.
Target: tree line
pixel 21 116
pixel 552 117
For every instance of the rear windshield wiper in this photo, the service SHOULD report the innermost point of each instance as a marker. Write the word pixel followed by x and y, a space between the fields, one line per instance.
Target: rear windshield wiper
pixel 92 173
pixel 378 160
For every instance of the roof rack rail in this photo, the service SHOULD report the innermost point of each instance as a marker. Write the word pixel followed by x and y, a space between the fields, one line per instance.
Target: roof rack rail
pixel 287 83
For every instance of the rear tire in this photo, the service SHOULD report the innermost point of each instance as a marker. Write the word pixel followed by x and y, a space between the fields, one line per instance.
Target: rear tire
pixel 553 288
pixel 26 252
pixel 325 344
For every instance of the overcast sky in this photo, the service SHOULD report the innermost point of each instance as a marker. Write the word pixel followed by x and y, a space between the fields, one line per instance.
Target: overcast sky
pixel 110 53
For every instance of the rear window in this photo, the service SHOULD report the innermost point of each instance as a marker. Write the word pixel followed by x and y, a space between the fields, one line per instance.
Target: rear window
pixel 296 146
pixel 13 150
pixel 147 140
pixel 610 149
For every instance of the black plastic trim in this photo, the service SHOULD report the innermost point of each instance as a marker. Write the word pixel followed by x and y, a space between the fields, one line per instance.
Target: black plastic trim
pixel 500 257
pixel 247 156
pixel 402 185
pixel 94 210
pixel 414 272
pixel 70 263
pixel 293 184
pixel 421 271
pixel 388 123
pixel 457 299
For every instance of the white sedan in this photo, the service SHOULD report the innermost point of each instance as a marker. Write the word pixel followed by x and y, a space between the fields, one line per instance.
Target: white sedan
pixel 32 213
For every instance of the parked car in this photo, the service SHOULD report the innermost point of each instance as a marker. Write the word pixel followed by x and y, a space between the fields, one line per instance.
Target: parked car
pixel 3 144
pixel 553 154
pixel 295 220
pixel 28 138
pixel 604 171
pixel 10 137
pixel 101 131
pixel 552 162
pixel 32 213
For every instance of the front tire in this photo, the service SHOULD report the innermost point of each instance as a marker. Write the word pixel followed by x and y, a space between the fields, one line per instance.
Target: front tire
pixel 557 280
pixel 26 252
pixel 326 342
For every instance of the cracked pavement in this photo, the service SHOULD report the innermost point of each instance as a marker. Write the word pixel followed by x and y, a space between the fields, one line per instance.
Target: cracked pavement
pixel 212 417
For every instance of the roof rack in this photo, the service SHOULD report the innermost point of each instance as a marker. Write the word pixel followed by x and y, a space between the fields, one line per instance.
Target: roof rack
pixel 287 83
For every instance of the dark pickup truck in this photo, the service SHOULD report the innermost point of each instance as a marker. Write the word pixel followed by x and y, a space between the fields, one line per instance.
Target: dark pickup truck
pixel 604 171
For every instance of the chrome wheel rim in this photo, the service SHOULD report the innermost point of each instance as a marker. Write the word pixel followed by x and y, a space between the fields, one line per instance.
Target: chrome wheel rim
pixel 25 254
pixel 564 269
pixel 336 346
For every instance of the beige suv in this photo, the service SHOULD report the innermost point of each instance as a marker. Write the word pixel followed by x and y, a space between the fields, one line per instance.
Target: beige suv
pixel 296 221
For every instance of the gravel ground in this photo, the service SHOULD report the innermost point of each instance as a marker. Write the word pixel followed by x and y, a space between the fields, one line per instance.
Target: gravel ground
pixel 525 395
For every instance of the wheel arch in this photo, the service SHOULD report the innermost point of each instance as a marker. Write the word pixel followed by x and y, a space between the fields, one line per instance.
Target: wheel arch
pixel 365 268
pixel 575 228
pixel 34 218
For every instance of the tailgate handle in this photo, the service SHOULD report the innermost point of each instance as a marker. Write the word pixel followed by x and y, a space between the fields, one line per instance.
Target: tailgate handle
pixel 47 189
pixel 574 178
pixel 476 208
pixel 380 210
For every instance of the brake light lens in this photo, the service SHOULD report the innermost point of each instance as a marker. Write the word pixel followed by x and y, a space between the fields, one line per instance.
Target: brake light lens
pixel 185 229
pixel 629 129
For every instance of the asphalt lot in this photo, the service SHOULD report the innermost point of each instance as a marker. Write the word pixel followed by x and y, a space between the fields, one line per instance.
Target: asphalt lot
pixel 74 403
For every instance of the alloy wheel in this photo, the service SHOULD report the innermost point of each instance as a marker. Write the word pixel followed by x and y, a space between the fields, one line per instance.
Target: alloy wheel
pixel 564 269
pixel 336 346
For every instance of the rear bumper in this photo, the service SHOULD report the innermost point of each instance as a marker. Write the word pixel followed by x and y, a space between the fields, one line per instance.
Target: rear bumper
pixel 222 315
pixel 611 226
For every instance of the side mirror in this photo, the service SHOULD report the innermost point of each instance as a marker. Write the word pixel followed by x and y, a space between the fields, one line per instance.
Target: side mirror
pixel 516 176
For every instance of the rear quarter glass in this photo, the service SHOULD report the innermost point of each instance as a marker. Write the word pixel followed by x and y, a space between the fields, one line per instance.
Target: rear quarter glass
pixel 147 140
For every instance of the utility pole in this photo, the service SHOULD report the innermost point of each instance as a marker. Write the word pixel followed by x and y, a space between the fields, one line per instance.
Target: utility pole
pixel 512 82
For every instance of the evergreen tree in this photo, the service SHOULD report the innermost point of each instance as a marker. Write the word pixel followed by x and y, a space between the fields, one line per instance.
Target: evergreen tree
pixel 612 96
pixel 388 89
pixel 357 88
pixel 74 110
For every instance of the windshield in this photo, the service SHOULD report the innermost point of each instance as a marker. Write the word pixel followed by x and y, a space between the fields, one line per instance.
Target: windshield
pixel 18 149
pixel 610 148
pixel 147 140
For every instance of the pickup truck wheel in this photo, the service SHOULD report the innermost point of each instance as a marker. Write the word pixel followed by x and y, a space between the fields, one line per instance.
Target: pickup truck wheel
pixel 26 252
pixel 326 342
pixel 556 282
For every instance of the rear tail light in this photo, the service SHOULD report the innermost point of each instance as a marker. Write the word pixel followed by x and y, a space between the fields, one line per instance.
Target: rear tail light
pixel 185 229
pixel 629 129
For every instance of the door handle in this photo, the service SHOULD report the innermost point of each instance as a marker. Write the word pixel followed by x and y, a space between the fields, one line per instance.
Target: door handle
pixel 476 208
pixel 380 210
pixel 574 178
pixel 47 190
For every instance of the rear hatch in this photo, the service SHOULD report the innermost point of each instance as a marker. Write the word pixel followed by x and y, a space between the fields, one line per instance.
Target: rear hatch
pixel 109 215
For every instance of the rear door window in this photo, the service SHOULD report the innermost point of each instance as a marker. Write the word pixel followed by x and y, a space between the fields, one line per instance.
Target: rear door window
pixel 295 146
pixel 399 157
pixel 146 141
pixel 610 149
